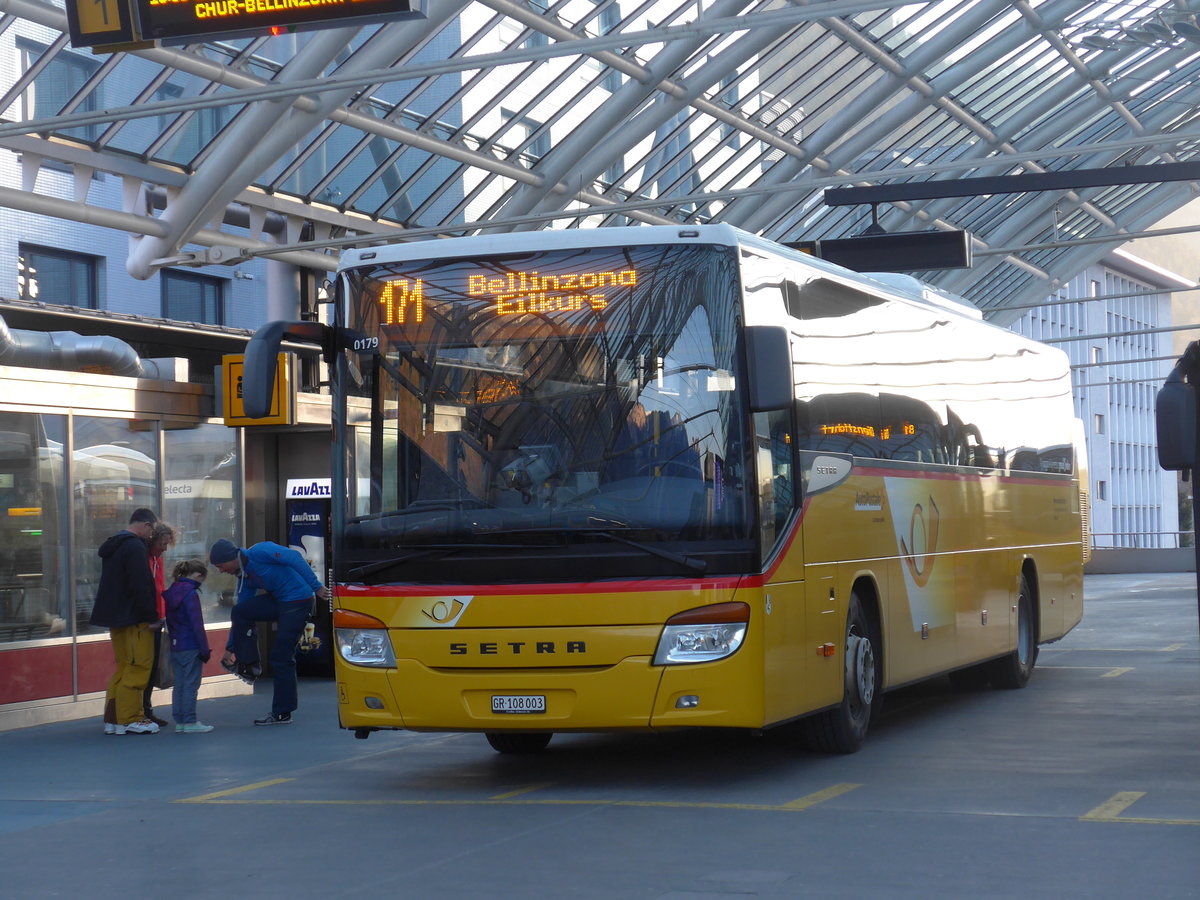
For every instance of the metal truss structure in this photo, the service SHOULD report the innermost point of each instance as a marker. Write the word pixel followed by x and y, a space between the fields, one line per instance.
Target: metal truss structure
pixel 513 115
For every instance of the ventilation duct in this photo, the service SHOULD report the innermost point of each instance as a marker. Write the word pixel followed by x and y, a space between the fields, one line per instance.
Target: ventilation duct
pixel 68 351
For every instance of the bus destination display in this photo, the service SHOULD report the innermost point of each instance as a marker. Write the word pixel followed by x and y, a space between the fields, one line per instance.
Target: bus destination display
pixel 181 21
pixel 404 301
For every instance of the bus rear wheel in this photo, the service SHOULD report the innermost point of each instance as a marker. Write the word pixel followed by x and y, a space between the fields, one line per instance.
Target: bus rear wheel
pixel 518 742
pixel 1014 670
pixel 844 728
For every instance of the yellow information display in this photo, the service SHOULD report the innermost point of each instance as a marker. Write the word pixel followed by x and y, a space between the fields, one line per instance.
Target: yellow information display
pixel 283 407
pixel 182 21
pixel 97 22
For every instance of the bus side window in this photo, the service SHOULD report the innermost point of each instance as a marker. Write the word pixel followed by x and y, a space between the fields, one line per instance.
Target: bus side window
pixel 776 473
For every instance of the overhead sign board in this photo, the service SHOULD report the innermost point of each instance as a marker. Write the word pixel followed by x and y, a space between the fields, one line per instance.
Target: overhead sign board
pixel 905 251
pixel 186 21
pixel 96 22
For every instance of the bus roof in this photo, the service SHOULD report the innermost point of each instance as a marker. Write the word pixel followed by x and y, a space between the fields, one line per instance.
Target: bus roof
pixel 640 235
pixel 561 239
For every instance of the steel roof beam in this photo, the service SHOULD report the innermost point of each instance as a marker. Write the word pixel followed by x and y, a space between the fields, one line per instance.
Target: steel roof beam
pixel 560 162
pixel 895 77
pixel 595 156
pixel 244 147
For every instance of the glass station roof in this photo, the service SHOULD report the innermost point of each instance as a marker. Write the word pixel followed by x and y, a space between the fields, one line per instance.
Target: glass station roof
pixel 513 115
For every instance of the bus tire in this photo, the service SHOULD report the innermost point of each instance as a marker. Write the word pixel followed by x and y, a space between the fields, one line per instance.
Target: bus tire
pixel 844 728
pixel 519 742
pixel 1013 671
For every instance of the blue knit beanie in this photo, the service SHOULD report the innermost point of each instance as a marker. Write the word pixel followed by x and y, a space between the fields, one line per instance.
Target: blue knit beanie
pixel 223 551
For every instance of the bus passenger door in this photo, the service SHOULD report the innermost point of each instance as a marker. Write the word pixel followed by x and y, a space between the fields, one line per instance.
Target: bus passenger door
pixel 783 586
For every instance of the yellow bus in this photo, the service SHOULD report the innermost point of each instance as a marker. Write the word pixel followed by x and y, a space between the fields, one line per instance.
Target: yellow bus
pixel 674 477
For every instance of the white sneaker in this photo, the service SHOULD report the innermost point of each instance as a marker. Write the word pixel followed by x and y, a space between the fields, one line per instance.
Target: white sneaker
pixel 193 728
pixel 144 726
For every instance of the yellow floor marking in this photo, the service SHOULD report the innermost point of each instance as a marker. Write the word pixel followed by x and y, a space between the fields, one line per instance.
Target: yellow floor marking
pixel 205 798
pixel 821 796
pixel 509 799
pixel 519 791
pixel 1114 806
pixel 1111 809
pixel 1170 648
pixel 1108 670
pixel 671 804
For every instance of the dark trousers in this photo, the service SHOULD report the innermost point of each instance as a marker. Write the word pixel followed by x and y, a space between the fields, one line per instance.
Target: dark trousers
pixel 147 702
pixel 243 640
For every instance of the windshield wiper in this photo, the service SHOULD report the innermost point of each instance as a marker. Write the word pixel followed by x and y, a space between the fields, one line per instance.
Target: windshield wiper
pixel 380 565
pixel 420 506
pixel 688 562
pixel 427 551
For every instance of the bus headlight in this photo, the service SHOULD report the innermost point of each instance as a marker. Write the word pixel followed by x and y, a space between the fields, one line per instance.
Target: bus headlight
pixel 362 646
pixel 703 634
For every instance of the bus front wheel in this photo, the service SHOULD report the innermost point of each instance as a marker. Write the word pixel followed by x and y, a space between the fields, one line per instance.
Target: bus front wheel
pixel 518 742
pixel 844 728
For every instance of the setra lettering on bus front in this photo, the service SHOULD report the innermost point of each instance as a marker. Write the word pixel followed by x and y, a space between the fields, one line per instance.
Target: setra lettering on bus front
pixel 516 648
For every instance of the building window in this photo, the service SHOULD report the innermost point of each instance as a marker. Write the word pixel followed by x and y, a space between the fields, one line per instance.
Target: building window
pixel 610 20
pixel 57 84
pixel 114 470
pixel 202 498
pixel 526 132
pixel 33 596
pixel 188 297
pixel 1101 490
pixel 57 276
pixel 1099 423
pixel 729 96
pixel 537 38
pixel 190 132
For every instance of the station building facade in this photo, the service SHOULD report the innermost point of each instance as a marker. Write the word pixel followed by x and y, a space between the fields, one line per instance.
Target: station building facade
pixel 1113 320
pixel 88 432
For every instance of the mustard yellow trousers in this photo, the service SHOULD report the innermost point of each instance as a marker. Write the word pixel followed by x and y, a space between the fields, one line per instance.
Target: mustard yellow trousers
pixel 133 653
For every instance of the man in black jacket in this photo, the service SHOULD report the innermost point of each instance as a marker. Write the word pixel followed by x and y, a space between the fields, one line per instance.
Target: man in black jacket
pixel 125 605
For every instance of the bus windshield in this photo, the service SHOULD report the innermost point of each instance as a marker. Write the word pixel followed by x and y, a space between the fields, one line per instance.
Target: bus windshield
pixel 568 414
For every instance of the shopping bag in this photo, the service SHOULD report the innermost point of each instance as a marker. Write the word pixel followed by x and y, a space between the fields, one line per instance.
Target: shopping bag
pixel 164 674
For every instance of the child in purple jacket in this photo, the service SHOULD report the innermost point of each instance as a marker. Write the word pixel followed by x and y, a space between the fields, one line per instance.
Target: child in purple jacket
pixel 189 642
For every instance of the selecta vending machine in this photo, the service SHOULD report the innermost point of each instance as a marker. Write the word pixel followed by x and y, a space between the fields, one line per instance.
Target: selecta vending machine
pixel 308 532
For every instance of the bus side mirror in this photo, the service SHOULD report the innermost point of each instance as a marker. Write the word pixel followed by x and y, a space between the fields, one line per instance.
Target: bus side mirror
pixel 258 374
pixel 1175 416
pixel 769 365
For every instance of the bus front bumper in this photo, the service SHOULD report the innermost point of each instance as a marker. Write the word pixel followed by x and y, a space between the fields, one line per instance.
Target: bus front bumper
pixel 631 695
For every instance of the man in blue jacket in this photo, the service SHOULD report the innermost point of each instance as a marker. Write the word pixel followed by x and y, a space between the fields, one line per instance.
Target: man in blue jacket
pixel 275 585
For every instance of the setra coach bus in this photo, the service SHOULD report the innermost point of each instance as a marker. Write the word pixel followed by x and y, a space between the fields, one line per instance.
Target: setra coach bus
pixel 667 477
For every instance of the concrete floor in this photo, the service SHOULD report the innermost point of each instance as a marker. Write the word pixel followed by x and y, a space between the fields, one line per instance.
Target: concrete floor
pixel 1083 785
